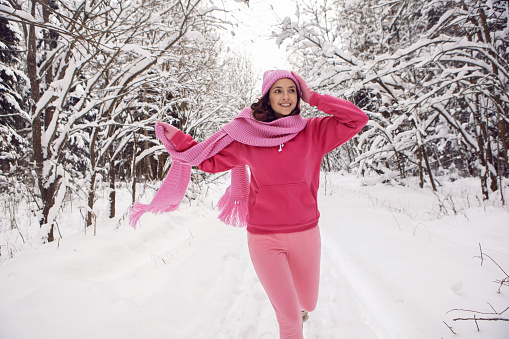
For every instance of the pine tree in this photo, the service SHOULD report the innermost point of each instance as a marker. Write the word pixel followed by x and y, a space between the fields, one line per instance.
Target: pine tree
pixel 13 97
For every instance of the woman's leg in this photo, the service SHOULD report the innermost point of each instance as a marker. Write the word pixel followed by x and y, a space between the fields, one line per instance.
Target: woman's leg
pixel 269 257
pixel 288 266
pixel 304 261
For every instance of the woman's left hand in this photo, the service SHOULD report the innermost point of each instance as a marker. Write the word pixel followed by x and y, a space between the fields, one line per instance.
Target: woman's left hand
pixel 304 88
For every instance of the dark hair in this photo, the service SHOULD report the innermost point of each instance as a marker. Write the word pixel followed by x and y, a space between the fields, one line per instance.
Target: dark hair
pixel 262 111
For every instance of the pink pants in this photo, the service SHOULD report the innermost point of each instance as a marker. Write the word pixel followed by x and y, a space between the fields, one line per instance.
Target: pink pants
pixel 288 266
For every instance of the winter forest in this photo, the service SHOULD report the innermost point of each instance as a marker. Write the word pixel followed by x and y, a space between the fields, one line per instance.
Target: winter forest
pixel 83 82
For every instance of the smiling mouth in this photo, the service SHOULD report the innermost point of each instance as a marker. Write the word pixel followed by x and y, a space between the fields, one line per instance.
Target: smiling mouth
pixel 285 105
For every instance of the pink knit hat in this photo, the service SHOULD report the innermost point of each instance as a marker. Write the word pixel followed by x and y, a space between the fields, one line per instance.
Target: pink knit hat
pixel 270 77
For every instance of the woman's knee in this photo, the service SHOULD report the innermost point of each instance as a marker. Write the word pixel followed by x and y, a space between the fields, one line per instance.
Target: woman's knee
pixel 309 300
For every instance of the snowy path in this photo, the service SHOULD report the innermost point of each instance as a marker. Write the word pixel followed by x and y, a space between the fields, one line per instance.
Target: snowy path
pixel 405 275
pixel 386 273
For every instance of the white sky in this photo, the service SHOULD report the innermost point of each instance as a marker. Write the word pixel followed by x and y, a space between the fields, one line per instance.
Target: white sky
pixel 253 35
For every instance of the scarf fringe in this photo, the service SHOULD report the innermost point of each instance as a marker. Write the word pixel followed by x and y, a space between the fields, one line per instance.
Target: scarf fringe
pixel 138 209
pixel 233 212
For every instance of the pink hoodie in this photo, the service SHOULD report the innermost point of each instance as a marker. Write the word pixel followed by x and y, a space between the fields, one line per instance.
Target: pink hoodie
pixel 285 179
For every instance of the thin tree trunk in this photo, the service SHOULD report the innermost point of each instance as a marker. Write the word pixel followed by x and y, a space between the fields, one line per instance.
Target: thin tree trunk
pixel 500 176
pixel 421 175
pixel 133 170
pixel 399 160
pixel 35 95
pixel 496 98
pixel 489 157
pixel 112 173
pixel 484 171
pixel 146 168
pixel 160 167
pixel 503 132
pixel 93 170
pixel 47 194
pixel 328 162
pixel 430 174
pixel 91 197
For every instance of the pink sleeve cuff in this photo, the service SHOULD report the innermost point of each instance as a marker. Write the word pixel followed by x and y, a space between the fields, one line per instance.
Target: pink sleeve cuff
pixel 178 138
pixel 315 99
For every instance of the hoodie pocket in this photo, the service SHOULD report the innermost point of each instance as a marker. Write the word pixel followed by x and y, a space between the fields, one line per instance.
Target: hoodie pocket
pixel 288 204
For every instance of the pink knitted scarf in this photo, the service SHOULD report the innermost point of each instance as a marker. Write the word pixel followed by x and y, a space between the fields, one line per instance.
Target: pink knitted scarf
pixel 233 204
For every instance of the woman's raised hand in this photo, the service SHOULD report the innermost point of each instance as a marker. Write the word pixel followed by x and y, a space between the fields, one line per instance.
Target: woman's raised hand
pixel 169 130
pixel 304 88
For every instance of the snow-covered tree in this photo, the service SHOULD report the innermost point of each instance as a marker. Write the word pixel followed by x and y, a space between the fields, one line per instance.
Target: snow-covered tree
pixel 13 98
pixel 431 74
pixel 89 63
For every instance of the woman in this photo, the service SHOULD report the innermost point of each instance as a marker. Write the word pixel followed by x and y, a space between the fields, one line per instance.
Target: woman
pixel 278 204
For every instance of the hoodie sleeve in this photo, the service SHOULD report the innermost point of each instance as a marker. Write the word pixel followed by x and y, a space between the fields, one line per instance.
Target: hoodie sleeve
pixel 345 122
pixel 223 161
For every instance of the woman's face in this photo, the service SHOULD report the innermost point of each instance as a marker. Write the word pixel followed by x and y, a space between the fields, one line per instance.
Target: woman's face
pixel 283 96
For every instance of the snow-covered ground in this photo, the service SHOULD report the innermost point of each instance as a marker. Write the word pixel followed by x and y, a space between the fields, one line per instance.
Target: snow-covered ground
pixel 390 269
